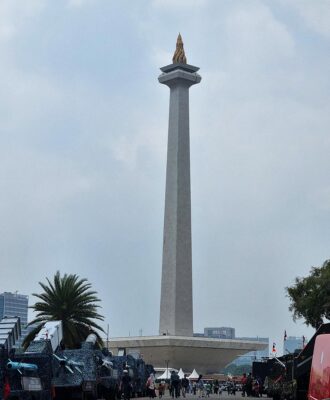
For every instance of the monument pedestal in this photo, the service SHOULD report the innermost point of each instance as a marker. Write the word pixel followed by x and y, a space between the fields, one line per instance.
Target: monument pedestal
pixel 205 354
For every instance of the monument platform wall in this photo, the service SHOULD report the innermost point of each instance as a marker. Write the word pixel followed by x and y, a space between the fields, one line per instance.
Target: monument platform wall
pixel 204 354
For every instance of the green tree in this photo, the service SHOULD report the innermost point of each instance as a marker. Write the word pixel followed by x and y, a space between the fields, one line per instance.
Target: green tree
pixel 310 296
pixel 69 299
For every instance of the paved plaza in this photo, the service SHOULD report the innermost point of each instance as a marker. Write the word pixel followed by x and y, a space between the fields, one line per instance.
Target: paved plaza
pixel 223 396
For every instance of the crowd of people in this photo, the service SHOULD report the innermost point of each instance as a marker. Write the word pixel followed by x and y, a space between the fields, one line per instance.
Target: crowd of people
pixel 251 387
pixel 180 387
pixel 177 387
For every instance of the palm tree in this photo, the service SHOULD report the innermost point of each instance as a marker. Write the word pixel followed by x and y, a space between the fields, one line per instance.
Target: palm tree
pixel 70 300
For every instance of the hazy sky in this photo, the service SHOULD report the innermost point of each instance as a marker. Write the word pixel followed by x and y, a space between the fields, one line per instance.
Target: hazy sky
pixel 83 135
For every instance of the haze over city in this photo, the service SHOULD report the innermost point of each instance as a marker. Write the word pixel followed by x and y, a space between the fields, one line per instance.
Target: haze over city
pixel 83 133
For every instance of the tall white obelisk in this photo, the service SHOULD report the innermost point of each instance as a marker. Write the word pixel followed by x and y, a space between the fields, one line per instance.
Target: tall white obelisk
pixel 176 305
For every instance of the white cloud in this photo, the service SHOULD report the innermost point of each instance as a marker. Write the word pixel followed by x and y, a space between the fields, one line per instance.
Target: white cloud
pixel 179 4
pixel 27 97
pixel 6 31
pixel 146 140
pixel 54 182
pixel 256 37
pixel 316 15
pixel 78 3
pixel 14 14
pixel 321 198
pixel 160 57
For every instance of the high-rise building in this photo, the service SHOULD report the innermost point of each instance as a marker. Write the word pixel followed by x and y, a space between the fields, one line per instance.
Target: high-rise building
pixel 223 332
pixel 14 305
pixel 257 355
pixel 292 343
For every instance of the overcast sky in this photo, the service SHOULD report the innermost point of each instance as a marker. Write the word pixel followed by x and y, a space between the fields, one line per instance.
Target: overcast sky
pixel 83 135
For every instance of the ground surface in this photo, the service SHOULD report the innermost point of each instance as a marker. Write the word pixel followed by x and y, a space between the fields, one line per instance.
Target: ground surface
pixel 223 396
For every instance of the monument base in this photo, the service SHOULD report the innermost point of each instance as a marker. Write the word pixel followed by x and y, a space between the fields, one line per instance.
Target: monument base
pixel 206 355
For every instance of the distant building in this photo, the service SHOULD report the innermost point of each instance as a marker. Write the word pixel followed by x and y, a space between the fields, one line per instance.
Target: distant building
pixel 14 305
pixel 292 343
pixel 248 358
pixel 25 331
pixel 198 335
pixel 222 332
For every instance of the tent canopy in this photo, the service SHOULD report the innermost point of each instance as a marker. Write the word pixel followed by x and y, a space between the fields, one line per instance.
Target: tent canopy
pixel 181 374
pixel 166 374
pixel 193 375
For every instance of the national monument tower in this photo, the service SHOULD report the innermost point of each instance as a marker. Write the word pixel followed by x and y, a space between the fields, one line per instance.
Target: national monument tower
pixel 176 304
pixel 175 344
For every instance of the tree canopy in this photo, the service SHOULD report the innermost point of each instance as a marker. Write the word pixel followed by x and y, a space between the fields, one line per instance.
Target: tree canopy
pixel 310 296
pixel 70 299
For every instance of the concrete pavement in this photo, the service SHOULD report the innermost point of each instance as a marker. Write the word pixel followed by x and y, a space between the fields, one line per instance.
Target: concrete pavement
pixel 223 396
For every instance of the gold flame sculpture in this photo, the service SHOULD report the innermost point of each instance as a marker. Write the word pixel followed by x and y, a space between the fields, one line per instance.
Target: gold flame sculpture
pixel 179 56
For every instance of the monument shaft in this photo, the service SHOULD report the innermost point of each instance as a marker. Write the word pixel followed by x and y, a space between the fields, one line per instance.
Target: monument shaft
pixel 176 308
pixel 178 348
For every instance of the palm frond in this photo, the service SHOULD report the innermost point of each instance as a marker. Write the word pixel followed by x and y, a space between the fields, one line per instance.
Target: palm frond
pixel 70 299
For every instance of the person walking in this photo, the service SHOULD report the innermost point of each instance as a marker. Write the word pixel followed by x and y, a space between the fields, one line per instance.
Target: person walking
pixel 151 386
pixel 125 385
pixel 233 388
pixel 228 387
pixel 256 388
pixel 249 382
pixel 175 384
pixel 208 389
pixel 185 385
pixel 243 382
pixel 216 387
pixel 200 386
pixel 161 389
